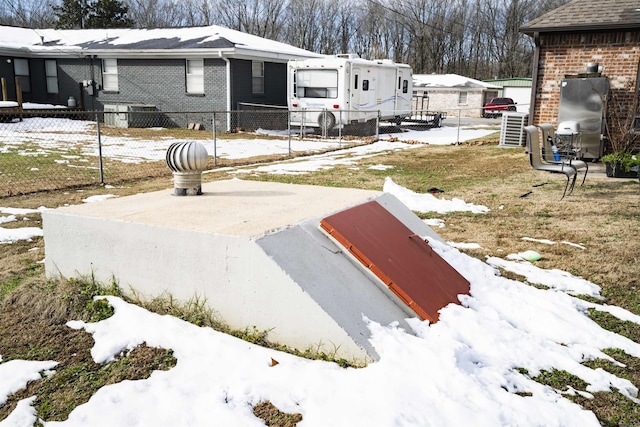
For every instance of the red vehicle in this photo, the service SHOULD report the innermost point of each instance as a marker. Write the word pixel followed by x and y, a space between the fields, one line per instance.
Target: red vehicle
pixel 497 106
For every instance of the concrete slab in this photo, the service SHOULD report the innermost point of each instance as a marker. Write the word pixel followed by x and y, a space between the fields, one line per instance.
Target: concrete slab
pixel 235 206
pixel 252 249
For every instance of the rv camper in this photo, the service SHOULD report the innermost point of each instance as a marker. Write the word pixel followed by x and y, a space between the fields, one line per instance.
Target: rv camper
pixel 344 90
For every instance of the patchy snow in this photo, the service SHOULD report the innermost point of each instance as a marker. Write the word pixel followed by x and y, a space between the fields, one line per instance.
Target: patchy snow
pixel 462 245
pixel 16 373
pixel 429 202
pixel 10 235
pixel 545 241
pixel 98 198
pixel 467 369
pixel 459 371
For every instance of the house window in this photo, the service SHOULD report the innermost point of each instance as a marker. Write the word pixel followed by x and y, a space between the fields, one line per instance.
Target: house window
pixel 257 77
pixel 462 97
pixel 110 74
pixel 51 72
pixel 21 70
pixel 195 75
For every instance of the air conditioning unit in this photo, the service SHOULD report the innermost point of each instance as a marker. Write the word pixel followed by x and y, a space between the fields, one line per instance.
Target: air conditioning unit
pixel 512 133
pixel 129 115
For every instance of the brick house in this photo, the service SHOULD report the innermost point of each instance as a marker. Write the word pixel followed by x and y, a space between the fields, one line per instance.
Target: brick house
pixel 174 69
pixel 452 94
pixel 580 32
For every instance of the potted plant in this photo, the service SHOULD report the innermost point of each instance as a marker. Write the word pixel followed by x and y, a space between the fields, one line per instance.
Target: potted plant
pixel 621 164
pixel 623 134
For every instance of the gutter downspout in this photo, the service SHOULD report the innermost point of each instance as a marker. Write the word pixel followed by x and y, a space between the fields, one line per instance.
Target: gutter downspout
pixel 228 96
pixel 534 77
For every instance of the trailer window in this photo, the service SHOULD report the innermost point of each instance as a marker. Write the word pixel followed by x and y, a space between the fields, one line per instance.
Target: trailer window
pixel 405 86
pixel 317 83
pixel 365 85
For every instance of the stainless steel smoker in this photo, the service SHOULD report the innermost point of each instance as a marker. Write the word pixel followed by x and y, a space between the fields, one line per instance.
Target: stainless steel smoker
pixel 583 99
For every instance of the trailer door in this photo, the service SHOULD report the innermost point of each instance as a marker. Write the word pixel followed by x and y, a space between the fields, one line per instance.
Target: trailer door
pixel 362 94
pixel 404 90
pixel 356 84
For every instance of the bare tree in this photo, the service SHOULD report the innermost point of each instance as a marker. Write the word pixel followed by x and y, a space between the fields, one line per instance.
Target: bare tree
pixel 198 12
pixel 155 13
pixel 346 22
pixel 476 38
pixel 27 13
pixel 262 18
pixel 510 49
pixel 369 38
pixel 321 29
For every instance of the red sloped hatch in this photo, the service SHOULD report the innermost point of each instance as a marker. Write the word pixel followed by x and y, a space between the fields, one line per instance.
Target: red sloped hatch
pixel 406 264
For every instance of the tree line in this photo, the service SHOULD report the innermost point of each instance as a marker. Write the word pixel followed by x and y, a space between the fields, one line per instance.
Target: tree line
pixel 473 38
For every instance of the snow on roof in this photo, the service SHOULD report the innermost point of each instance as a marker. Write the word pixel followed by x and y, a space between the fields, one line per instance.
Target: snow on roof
pixel 135 40
pixel 445 81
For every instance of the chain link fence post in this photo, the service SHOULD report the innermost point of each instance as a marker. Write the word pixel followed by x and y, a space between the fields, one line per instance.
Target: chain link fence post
pixel 458 133
pixel 215 140
pixel 100 162
pixel 340 129
pixel 289 130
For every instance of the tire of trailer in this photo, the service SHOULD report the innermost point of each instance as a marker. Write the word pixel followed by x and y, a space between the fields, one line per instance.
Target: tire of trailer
pixel 326 121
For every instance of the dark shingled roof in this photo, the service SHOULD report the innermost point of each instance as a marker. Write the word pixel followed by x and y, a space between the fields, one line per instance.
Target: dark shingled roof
pixel 162 43
pixel 588 15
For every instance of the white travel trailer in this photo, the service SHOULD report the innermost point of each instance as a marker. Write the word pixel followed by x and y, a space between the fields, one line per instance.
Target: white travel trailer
pixel 343 90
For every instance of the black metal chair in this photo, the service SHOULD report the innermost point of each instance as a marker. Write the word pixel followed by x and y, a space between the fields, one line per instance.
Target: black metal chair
pixel 535 158
pixel 548 137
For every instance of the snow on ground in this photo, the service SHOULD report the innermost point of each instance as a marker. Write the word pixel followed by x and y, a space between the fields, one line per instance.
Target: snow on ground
pixel 467 369
pixel 427 202
pixel 45 135
pixel 10 235
pixel 459 371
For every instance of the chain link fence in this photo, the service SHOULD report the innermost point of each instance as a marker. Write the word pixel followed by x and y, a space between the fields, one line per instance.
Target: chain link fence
pixel 43 150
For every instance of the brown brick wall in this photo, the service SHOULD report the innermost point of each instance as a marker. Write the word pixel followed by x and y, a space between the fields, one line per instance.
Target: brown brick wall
pixel 568 54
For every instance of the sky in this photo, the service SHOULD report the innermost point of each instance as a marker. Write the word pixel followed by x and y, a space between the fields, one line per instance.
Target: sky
pixel 466 369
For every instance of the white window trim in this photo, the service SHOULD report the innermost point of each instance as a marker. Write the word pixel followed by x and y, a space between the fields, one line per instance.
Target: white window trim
pixel 51 72
pixel 257 78
pixel 194 76
pixel 463 97
pixel 21 70
pixel 110 75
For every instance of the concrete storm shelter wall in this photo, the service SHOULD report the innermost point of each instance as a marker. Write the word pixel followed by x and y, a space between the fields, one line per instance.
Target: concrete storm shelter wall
pixel 254 250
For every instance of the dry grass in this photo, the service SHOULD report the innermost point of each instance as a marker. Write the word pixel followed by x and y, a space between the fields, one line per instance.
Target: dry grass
pixel 33 327
pixel 603 216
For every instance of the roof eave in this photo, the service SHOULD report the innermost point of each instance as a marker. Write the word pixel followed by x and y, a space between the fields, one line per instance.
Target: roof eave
pixel 238 52
pixel 248 53
pixel 530 31
pixel 158 53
